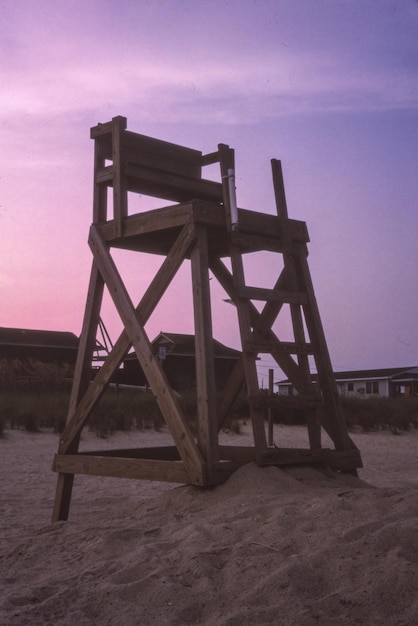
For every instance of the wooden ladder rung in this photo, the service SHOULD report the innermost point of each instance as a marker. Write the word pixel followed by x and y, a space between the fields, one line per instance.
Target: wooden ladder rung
pixel 297 348
pixel 268 347
pixel 272 295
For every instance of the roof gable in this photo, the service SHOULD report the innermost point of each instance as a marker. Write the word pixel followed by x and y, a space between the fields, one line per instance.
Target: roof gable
pixel 181 344
pixel 184 344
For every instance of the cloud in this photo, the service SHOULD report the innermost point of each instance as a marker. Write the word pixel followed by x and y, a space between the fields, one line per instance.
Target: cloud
pixel 272 62
pixel 239 92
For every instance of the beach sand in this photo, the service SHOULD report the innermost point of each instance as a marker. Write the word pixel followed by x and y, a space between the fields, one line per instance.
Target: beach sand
pixel 296 547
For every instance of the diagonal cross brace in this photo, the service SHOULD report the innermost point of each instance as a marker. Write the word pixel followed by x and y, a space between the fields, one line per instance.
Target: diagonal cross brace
pixel 145 308
pixel 155 375
pixel 259 325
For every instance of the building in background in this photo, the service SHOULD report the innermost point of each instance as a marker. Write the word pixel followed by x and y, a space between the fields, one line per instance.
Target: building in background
pixel 376 383
pixel 45 346
pixel 177 355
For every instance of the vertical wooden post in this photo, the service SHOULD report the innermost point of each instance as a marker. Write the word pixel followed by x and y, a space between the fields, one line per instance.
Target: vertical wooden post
pixel 270 416
pixel 332 404
pixel 81 381
pixel 243 308
pixel 314 429
pixel 120 191
pixel 207 433
pixel 99 189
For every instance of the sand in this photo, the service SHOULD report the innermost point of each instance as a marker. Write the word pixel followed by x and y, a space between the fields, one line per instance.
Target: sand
pixel 295 547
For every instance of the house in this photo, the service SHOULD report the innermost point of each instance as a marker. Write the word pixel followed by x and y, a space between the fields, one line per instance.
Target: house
pixel 375 383
pixel 177 355
pixel 45 346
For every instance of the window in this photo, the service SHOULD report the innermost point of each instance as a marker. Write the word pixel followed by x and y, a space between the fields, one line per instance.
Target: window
pixel 350 386
pixel 372 387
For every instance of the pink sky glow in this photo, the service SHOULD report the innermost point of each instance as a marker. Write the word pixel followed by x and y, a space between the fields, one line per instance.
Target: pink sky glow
pixel 330 88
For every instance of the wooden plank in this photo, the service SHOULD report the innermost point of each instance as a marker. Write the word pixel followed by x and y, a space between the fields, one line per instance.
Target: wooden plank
pixel 314 429
pixel 279 295
pixel 104 174
pixel 227 164
pixel 272 308
pixel 158 382
pixel 280 197
pixel 160 220
pixel 239 455
pixel 139 161
pixel 343 460
pixel 297 348
pixel 142 469
pixel 163 155
pixel 162 453
pixel 232 387
pixel 99 190
pixel 291 347
pixel 170 186
pixel 105 129
pixel 154 221
pixel 120 189
pixel 210 158
pixel 207 430
pixel 261 332
pixel 255 223
pixel 145 308
pixel 148 150
pixel 267 242
pixel 62 501
pixel 242 304
pixel 87 343
pixel 332 418
pixel 80 384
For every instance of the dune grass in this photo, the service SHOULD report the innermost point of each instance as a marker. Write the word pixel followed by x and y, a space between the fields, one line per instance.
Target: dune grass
pixel 35 396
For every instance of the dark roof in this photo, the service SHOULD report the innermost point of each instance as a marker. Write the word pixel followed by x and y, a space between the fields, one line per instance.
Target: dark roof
pixel 37 338
pixel 375 373
pixel 390 372
pixel 180 344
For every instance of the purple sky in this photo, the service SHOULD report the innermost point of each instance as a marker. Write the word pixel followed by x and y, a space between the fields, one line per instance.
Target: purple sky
pixel 329 87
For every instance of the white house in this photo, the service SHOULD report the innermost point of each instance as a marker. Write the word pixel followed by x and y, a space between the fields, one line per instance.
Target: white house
pixel 383 383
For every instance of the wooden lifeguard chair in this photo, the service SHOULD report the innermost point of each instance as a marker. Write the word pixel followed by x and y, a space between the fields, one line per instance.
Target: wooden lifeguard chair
pixel 206 226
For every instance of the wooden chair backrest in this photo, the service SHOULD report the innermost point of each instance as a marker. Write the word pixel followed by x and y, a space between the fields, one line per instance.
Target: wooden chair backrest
pixel 157 168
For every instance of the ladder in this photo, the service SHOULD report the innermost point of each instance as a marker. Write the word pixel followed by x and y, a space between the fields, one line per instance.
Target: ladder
pixel 294 289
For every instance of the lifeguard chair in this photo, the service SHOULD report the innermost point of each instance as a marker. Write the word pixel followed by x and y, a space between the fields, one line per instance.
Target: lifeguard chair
pixel 206 226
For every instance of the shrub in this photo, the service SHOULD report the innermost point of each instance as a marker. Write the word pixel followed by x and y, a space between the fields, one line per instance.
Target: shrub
pixel 31 375
pixel 125 409
pixel 393 414
pixel 29 420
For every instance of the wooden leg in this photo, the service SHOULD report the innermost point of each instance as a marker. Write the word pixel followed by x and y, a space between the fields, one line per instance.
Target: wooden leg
pixel 63 497
pixel 314 429
pixel 207 431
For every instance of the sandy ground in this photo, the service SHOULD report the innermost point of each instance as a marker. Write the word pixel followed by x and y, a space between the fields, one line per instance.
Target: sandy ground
pixel 268 547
